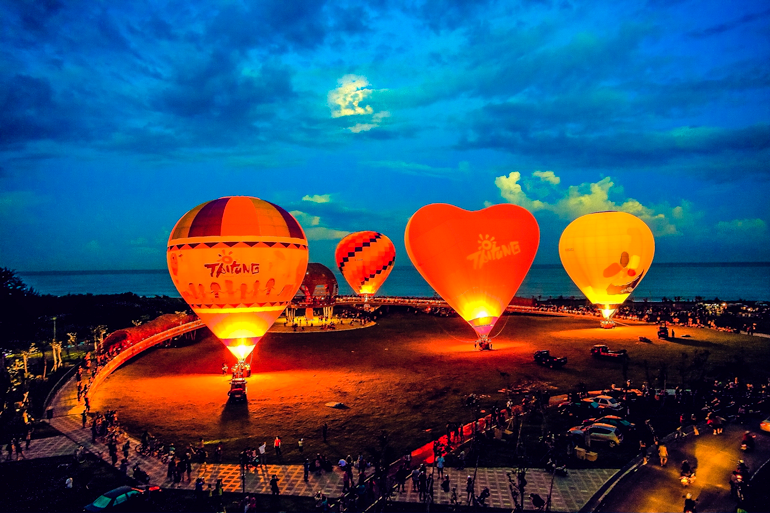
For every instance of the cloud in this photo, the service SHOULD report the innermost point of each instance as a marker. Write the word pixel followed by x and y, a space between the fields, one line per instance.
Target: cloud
pixel 323 233
pixel 365 127
pixel 317 198
pixel 345 100
pixel 348 100
pixel 586 198
pixel 547 176
pixel 729 25
pixel 414 168
pixel 313 229
pixel 742 227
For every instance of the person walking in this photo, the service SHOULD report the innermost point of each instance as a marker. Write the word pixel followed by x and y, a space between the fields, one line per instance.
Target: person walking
pixel 274 485
pixel 84 416
pixel 126 448
pixel 663 453
pixel 306 468
pixel 28 437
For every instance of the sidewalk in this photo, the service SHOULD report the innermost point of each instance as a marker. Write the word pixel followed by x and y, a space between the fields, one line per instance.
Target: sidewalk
pixel 569 493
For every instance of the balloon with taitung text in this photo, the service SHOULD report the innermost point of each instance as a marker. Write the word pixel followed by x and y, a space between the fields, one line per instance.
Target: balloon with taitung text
pixel 365 259
pixel 237 261
pixel 476 260
pixel 607 254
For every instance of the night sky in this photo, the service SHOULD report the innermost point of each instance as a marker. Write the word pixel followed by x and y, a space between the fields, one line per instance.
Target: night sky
pixel 116 118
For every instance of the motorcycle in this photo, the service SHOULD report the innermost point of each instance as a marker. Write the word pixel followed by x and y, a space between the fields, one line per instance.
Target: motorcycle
pixel 689 503
pixel 553 467
pixel 747 443
pixel 140 475
pixel 687 474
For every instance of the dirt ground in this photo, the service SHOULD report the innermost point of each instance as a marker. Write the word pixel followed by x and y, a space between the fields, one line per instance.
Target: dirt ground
pixel 408 375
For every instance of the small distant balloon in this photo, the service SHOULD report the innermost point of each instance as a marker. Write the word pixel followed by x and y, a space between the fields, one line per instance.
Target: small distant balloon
pixel 365 259
pixel 237 261
pixel 607 254
pixel 475 260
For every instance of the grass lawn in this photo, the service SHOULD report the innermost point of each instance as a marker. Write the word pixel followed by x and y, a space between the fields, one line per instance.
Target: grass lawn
pixel 408 375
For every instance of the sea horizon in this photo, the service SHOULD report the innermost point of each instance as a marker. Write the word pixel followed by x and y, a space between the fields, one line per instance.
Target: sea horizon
pixel 534 266
pixel 732 281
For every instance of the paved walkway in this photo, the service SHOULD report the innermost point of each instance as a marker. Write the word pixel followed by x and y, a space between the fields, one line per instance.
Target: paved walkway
pixel 569 493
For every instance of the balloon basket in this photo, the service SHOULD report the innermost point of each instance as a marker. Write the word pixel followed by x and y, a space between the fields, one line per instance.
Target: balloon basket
pixel 607 324
pixel 484 344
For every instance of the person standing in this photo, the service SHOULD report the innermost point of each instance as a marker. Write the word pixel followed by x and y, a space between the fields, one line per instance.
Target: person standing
pixel 19 450
pixel 440 465
pixel 274 485
pixel 469 490
pixel 126 448
pixel 84 416
pixel 277 445
pixel 300 444
pixel 663 453
pixel 263 455
pixel 29 436
pixel 306 468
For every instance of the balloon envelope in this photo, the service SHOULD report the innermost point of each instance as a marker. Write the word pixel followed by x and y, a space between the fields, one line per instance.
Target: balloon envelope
pixel 237 261
pixel 607 254
pixel 365 259
pixel 476 260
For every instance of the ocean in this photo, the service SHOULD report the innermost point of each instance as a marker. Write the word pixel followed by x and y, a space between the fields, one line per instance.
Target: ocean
pixel 726 281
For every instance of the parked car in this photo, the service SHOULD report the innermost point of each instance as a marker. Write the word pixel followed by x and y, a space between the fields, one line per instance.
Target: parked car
pixel 598 432
pixel 544 358
pixel 605 402
pixel 613 420
pixel 237 389
pixel 602 351
pixel 122 498
pixel 579 410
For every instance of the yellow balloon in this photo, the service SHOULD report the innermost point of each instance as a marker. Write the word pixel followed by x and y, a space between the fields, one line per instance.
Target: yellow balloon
pixel 607 254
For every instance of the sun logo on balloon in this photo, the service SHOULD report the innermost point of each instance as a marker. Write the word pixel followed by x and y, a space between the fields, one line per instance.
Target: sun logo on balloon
pixel 485 242
pixel 225 257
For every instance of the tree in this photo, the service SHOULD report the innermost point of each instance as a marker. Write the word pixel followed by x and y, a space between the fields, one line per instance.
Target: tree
pixel 98 332
pixel 12 287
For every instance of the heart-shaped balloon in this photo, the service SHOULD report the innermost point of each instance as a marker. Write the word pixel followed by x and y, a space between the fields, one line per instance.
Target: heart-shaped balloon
pixel 476 260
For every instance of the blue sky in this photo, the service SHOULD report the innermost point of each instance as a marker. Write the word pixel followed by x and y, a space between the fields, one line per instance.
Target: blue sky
pixel 118 117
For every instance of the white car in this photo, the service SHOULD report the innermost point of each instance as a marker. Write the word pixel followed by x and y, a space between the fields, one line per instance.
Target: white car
pixel 598 432
pixel 605 402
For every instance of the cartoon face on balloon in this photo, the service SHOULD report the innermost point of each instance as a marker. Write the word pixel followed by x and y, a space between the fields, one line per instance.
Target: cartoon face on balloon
pixel 607 254
pixel 237 261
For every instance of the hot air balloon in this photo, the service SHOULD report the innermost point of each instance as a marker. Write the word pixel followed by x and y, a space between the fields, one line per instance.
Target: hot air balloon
pixel 318 290
pixel 607 254
pixel 237 261
pixel 365 259
pixel 476 260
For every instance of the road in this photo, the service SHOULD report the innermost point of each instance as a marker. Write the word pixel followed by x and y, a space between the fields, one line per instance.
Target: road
pixel 653 488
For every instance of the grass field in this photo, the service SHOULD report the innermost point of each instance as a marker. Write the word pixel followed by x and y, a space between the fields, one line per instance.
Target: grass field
pixel 408 375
